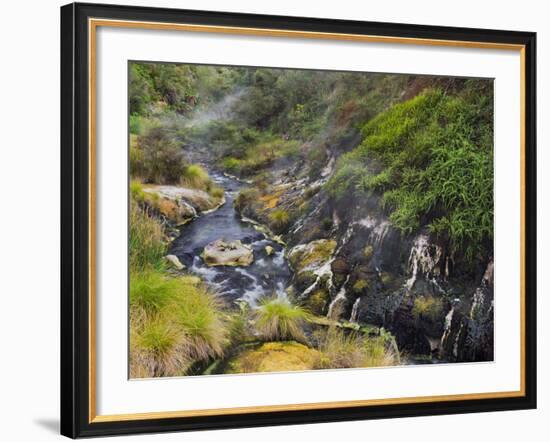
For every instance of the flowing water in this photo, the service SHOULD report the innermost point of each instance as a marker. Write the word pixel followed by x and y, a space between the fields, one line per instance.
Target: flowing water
pixel 268 275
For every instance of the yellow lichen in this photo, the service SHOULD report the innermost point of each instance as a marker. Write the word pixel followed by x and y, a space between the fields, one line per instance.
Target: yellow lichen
pixel 274 356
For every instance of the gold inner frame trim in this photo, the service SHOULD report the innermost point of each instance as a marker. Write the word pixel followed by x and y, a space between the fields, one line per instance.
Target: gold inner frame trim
pixel 93 24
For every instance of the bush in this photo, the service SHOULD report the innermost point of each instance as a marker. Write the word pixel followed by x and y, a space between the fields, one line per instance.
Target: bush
pixel 232 165
pixel 157 158
pixel 278 320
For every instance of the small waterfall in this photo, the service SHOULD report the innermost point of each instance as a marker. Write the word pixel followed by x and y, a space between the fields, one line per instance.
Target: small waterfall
pixel 354 311
pixel 379 233
pixel 422 262
pixel 340 297
pixel 447 326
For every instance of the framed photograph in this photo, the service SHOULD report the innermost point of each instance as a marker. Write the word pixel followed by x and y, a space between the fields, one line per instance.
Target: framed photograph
pixel 279 220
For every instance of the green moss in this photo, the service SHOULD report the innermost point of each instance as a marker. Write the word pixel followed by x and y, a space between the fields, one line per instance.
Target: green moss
pixel 317 302
pixel 312 254
pixel 387 278
pixel 428 308
pixel 360 285
pixel 368 252
pixel 273 356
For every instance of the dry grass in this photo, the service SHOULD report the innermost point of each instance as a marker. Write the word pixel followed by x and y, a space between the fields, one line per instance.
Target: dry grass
pixel 344 349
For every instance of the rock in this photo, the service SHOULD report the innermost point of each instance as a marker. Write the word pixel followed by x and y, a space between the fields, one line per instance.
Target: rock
pixel 180 204
pixel 174 261
pixel 227 253
pixel 274 356
pixel 269 250
pixel 308 260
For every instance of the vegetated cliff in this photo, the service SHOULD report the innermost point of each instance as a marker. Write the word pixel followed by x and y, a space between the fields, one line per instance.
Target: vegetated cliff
pixel 356 258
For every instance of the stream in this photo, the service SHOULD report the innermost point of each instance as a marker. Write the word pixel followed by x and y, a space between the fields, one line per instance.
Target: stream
pixel 268 275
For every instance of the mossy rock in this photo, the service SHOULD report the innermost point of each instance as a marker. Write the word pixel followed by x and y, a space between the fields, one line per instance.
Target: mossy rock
pixel 311 255
pixel 317 302
pixel 361 285
pixel 368 251
pixel 273 356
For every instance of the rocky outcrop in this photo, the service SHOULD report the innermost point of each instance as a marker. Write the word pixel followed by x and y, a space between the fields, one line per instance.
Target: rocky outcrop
pixel 411 285
pixel 179 205
pixel 227 253
pixel 311 263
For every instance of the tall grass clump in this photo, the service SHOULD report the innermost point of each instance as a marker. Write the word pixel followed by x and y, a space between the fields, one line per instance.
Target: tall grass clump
pixel 174 323
pixel 146 244
pixel 278 320
pixel 339 348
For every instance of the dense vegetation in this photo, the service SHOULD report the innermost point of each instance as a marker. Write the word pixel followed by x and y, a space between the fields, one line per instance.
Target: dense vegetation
pixel 421 146
pixel 431 157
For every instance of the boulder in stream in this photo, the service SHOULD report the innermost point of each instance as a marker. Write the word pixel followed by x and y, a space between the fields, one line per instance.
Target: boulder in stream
pixel 174 262
pixel 227 253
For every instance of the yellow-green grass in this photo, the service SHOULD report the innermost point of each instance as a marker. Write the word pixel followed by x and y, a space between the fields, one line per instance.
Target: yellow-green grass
pixel 174 322
pixel 278 320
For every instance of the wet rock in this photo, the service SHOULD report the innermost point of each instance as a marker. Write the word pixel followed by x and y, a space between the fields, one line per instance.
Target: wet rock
pixel 227 253
pixel 174 262
pixel 307 260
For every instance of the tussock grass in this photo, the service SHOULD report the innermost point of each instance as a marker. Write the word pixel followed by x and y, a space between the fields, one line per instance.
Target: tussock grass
pixel 174 322
pixel 196 177
pixel 278 320
pixel 146 245
pixel 343 349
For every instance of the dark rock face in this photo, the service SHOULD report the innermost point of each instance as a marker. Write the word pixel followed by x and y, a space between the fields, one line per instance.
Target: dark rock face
pixel 408 285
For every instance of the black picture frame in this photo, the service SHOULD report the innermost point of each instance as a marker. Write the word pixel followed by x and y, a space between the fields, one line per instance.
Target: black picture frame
pixel 75 219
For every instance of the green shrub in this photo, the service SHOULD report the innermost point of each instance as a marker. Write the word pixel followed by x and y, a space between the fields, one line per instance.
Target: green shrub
pixel 157 158
pixel 278 320
pixel 432 158
pixel 232 165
